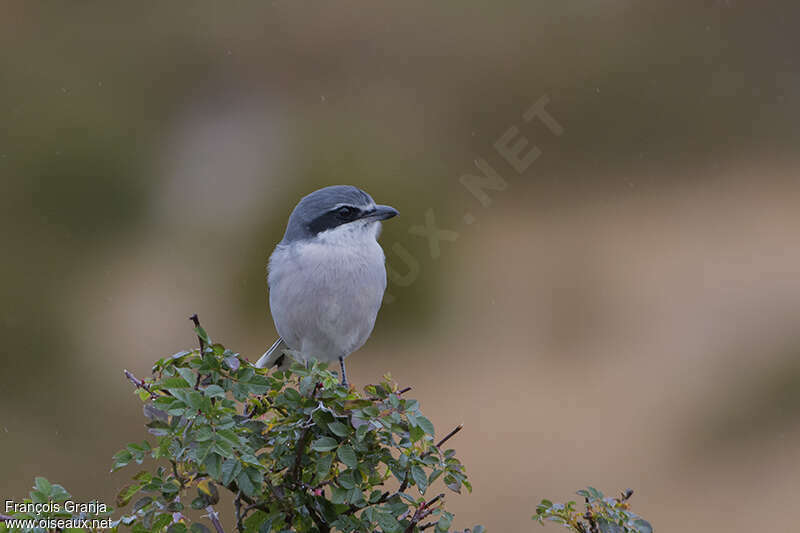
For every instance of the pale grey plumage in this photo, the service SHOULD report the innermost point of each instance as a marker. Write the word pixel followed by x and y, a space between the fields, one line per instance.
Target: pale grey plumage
pixel 327 276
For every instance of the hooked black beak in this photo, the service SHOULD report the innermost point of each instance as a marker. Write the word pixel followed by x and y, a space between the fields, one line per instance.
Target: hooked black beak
pixel 382 212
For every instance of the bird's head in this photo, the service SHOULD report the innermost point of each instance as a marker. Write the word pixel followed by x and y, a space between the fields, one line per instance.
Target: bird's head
pixel 334 210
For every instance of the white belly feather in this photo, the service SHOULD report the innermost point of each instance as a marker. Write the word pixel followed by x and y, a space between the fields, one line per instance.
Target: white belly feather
pixel 325 292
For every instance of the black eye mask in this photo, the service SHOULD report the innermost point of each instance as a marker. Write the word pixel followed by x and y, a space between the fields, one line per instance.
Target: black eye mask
pixel 335 218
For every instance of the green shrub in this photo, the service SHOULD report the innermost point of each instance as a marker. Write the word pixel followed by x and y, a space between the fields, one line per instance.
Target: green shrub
pixel 600 515
pixel 295 450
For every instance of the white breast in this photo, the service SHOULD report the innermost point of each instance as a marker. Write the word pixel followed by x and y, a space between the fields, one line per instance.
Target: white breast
pixel 325 292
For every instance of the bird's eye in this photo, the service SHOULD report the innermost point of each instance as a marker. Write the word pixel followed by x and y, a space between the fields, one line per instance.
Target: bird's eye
pixel 346 212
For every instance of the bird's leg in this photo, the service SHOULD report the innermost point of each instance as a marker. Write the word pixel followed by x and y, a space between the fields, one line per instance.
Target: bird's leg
pixel 344 374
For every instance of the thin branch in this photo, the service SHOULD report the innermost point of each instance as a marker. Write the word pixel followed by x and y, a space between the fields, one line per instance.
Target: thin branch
pixel 377 399
pixel 196 321
pixel 322 525
pixel 449 435
pixel 237 502
pixel 139 384
pixel 422 512
pixel 433 500
pixel 386 496
pixel 301 445
pixel 212 514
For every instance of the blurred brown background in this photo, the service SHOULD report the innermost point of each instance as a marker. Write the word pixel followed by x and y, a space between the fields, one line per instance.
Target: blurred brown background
pixel 625 314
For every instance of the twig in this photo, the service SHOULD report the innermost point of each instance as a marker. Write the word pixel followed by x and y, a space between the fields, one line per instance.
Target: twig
pixel 625 496
pixel 434 500
pixel 302 443
pixel 386 496
pixel 377 399
pixel 139 384
pixel 237 502
pixel 422 512
pixel 406 478
pixel 196 321
pixel 449 435
pixel 322 525
pixel 212 514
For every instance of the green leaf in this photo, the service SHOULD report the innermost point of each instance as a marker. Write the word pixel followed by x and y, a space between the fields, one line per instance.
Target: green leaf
pixel 426 425
pixel 246 486
pixel 142 502
pixel 203 433
pixel 444 522
pixel 203 335
pixel 338 495
pixel 346 479
pixel 419 477
pixel 387 522
pixel 416 433
pixel 214 391
pixel 606 526
pixel 453 484
pixel 188 375
pixel 324 444
pixel 124 496
pixel 121 458
pixel 174 383
pixel 178 527
pixel 339 429
pixel 324 466
pixel 347 455
pixel 213 464
pixel 361 432
pixel 228 436
pixel 197 527
pixel 42 485
pixel 596 494
pixel 356 497
pixel 254 521
pixel 230 469
pixel 161 521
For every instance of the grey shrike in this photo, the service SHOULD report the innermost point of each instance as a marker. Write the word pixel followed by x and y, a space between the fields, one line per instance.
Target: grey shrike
pixel 327 277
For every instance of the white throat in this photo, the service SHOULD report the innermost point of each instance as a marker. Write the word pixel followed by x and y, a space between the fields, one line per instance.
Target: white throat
pixel 357 233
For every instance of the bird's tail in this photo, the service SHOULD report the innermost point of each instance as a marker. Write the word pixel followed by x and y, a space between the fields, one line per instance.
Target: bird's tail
pixel 275 356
